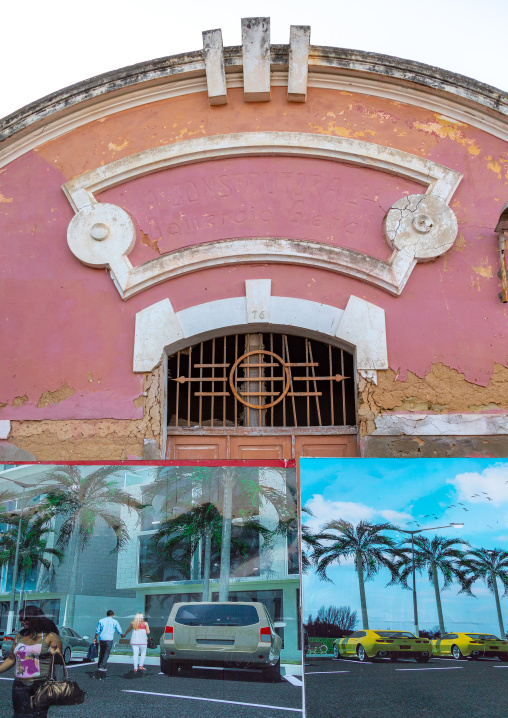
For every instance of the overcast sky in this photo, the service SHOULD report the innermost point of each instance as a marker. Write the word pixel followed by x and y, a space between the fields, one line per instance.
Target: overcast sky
pixel 49 45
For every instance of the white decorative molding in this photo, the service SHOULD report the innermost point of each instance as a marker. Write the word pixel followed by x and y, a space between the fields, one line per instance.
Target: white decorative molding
pixel 258 293
pixel 256 58
pixel 419 227
pixel 360 327
pixel 441 425
pixel 5 428
pixel 189 82
pixel 214 66
pixel 299 48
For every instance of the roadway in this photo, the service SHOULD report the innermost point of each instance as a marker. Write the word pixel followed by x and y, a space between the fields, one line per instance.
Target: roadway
pixel 198 693
pixel 406 689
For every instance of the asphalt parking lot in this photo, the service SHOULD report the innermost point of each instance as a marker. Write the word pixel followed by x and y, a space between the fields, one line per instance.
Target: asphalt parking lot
pixel 384 689
pixel 199 693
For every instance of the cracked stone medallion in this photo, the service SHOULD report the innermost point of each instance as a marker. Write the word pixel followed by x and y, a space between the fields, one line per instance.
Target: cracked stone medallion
pixel 422 225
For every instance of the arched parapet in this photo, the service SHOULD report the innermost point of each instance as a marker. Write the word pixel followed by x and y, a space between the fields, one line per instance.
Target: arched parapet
pixel 418 227
pixel 360 327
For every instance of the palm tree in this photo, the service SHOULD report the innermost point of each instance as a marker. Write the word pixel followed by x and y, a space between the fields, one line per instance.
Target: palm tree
pixel 236 493
pixel 366 543
pixel 439 555
pixel 488 566
pixel 79 499
pixel 178 539
pixel 33 550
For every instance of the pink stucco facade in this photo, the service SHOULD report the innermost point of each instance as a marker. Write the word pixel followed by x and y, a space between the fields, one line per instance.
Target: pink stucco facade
pixel 68 337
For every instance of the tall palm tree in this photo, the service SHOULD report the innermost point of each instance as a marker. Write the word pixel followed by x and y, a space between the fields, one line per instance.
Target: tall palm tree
pixel 488 566
pixel 33 550
pixel 438 555
pixel 177 539
pixel 79 499
pixel 237 493
pixel 365 543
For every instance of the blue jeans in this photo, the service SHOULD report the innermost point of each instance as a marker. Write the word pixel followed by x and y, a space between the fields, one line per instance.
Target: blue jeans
pixel 105 650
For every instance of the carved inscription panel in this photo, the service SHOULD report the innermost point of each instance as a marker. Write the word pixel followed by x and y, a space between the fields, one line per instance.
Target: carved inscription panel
pixel 311 199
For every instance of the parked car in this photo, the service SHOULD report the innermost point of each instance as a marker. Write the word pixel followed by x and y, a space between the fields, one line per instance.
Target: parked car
pixel 73 645
pixel 236 634
pixel 470 645
pixel 368 644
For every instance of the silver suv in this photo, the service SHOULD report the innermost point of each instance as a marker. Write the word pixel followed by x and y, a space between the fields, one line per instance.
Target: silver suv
pixel 234 634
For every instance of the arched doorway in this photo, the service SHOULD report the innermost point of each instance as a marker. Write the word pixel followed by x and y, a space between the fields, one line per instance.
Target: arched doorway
pixel 260 396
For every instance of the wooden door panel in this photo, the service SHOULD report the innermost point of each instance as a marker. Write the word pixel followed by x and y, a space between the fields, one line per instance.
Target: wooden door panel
pixel 262 448
pixel 190 448
pixel 326 446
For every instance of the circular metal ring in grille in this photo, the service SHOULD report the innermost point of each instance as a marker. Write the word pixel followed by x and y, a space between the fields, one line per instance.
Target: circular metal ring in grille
pixel 233 379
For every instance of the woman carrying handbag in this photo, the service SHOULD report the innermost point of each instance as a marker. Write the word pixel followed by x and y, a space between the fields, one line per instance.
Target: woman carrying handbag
pixel 32 654
pixel 139 639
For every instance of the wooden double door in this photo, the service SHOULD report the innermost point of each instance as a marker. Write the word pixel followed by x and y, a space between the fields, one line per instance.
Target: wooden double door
pixel 263 447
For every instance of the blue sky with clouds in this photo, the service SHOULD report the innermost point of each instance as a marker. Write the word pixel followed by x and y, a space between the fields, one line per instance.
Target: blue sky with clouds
pixel 412 494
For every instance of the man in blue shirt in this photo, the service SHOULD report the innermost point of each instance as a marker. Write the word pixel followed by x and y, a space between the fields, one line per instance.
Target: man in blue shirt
pixel 105 633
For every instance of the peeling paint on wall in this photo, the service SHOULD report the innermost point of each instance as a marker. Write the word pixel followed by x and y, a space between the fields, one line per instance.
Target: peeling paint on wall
pixel 441 390
pixel 55 397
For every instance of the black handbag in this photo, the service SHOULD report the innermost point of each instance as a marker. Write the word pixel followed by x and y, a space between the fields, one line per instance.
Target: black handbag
pixel 57 693
pixel 150 642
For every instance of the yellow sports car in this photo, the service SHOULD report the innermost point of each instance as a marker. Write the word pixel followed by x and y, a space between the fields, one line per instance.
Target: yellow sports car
pixel 366 645
pixel 470 645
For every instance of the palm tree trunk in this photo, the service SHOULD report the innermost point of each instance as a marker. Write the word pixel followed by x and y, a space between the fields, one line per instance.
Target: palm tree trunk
pixel 438 599
pixel 70 602
pixel 206 567
pixel 225 552
pixel 361 584
pixel 498 605
pixel 22 582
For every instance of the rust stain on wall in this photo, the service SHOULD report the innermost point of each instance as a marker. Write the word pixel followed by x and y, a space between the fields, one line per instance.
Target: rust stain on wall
pixel 144 238
pixel 55 397
pixel 442 390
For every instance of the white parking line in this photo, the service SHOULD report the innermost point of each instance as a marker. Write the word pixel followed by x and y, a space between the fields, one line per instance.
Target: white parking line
pixel 499 666
pixel 216 700
pixel 315 673
pixel 447 668
pixel 6 679
pixel 346 660
pixel 293 680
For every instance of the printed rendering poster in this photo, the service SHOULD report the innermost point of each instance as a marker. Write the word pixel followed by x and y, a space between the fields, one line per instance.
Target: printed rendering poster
pixel 404 587
pixel 187 576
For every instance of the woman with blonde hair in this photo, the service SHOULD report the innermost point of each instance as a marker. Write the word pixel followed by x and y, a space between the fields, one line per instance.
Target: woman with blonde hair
pixel 140 630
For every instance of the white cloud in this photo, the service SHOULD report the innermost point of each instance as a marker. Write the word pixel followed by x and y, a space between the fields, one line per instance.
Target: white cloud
pixel 488 487
pixel 394 516
pixel 325 510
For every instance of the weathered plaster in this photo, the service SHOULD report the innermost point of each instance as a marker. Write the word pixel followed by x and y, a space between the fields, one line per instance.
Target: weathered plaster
pixel 401 447
pixel 441 425
pixel 93 440
pixel 406 81
pixel 442 391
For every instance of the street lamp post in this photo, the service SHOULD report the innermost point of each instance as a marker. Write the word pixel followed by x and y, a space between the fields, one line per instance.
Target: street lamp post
pixel 12 603
pixel 419 531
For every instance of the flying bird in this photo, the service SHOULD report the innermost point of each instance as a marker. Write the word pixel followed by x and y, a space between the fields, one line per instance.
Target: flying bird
pixel 465 509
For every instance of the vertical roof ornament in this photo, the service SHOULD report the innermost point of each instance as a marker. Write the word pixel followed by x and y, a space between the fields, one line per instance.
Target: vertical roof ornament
pixel 214 67
pixel 256 58
pixel 299 46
